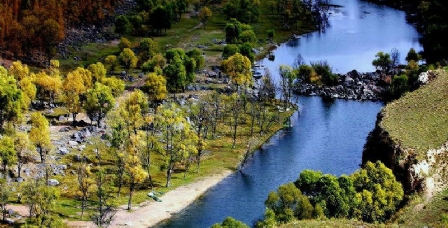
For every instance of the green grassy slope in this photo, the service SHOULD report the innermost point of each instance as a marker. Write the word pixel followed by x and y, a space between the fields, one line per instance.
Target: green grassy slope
pixel 419 120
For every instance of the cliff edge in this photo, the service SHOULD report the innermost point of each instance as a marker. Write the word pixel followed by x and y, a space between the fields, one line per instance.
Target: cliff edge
pixel 411 137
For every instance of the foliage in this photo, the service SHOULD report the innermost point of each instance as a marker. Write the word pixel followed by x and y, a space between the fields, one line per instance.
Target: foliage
pixel 7 153
pixel 122 25
pixel 382 62
pixel 75 86
pixel 155 87
pixel 413 55
pixel 40 134
pixel 323 70
pixel 372 194
pixel 245 11
pixel 128 59
pixel 238 67
pixel 204 15
pixel 99 101
pixel 11 99
pixel 230 222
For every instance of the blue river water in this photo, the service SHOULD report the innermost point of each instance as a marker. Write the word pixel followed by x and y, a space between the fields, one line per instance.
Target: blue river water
pixel 325 136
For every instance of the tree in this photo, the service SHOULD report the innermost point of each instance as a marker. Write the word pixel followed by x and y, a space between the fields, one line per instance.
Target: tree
pixel 155 87
pixel 19 70
pixel 233 31
pixel 379 192
pixel 124 43
pixel 111 62
pixel 413 55
pixel 204 14
pixel 147 49
pixel 7 153
pixel 116 85
pixel 238 67
pixel 236 107
pixel 229 50
pixel 394 57
pixel 40 134
pixel 5 193
pixel 105 210
pixel 48 86
pixel 99 101
pixel 122 25
pixel 41 200
pixel 156 61
pixel 198 57
pixel 323 69
pixel 52 35
pixel 289 203
pixel 133 168
pixel 176 74
pixel 98 71
pixel 286 84
pixel 75 86
pixel 271 34
pixel 382 62
pixel 230 222
pixel 161 18
pixel 128 59
pixel 24 148
pixel 177 133
pixel 11 99
pixel 85 182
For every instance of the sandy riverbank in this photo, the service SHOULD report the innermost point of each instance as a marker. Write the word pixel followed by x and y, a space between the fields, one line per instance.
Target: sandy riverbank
pixel 150 213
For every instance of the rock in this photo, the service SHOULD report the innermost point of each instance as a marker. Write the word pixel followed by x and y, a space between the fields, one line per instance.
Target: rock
pixel 72 143
pixel 19 179
pixel 64 129
pixel 78 157
pixel 53 182
pixel 63 167
pixel 63 150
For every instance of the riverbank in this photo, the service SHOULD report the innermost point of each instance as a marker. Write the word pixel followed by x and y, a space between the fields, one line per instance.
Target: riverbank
pixel 151 213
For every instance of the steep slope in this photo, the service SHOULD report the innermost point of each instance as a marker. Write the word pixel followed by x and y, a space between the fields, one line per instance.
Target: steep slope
pixel 411 136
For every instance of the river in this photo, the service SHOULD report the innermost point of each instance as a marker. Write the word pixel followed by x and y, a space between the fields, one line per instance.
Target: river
pixel 325 136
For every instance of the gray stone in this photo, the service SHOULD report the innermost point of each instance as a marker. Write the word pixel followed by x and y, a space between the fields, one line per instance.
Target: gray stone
pixel 53 182
pixel 72 143
pixel 63 150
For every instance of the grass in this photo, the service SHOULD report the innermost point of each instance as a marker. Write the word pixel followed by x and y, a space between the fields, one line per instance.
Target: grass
pixel 425 214
pixel 333 223
pixel 221 156
pixel 419 119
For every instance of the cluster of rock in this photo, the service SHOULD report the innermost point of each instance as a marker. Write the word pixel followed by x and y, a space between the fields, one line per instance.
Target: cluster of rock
pixel 353 86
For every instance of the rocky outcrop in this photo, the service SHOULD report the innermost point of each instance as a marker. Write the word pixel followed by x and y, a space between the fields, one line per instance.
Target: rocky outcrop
pixel 351 86
pixel 427 174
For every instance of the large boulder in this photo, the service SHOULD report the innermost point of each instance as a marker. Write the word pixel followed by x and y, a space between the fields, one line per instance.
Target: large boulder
pixel 53 182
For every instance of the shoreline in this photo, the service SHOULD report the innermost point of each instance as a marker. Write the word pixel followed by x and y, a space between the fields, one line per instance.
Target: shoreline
pixel 151 213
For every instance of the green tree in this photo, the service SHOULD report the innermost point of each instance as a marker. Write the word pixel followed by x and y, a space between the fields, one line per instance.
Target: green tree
pixel 378 191
pixel 40 134
pixel 99 101
pixel 382 62
pixel 98 71
pixel 413 55
pixel 286 84
pixel 230 222
pixel 24 149
pixel 85 182
pixel 229 50
pixel 7 153
pixel 177 133
pixel 147 49
pixel 204 14
pixel 51 35
pixel 155 87
pixel 128 59
pixel 233 31
pixel 105 209
pixel 11 99
pixel 122 25
pixel 116 85
pixel 176 74
pixel 41 200
pixel 161 18
pixel 156 61
pixel 5 193
pixel 322 69
pixel 238 68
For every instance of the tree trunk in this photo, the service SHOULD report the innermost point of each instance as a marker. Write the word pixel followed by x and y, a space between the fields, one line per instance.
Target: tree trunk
pixel 131 193
pixel 168 176
pixel 74 119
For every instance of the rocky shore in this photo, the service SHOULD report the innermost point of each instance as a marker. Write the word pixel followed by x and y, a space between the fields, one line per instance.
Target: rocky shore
pixel 352 86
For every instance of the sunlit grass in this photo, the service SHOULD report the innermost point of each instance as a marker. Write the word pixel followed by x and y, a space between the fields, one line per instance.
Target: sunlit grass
pixel 419 119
